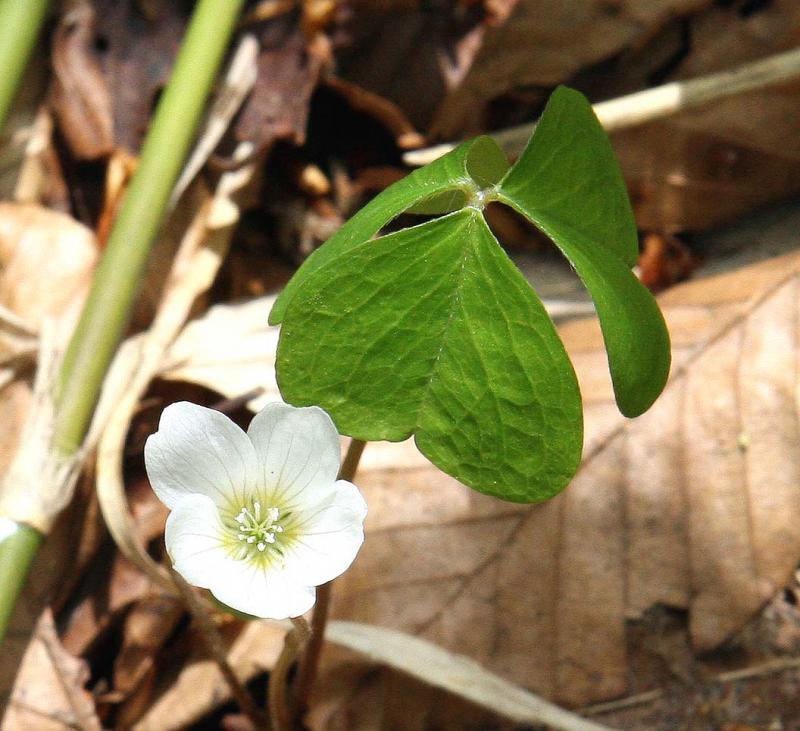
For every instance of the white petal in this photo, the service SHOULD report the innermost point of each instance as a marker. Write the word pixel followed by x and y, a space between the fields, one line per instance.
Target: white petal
pixel 199 450
pixel 271 594
pixel 194 539
pixel 330 536
pixel 298 449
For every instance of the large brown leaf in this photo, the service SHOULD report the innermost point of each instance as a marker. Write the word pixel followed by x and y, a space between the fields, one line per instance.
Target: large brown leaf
pixel 695 505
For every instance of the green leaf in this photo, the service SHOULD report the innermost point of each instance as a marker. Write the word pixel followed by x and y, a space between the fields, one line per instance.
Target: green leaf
pixel 443 186
pixel 569 184
pixel 432 331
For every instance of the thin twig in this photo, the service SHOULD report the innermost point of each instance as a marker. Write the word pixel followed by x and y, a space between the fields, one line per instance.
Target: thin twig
pixel 280 713
pixel 217 649
pixel 661 101
pixel 307 667
pixel 767 668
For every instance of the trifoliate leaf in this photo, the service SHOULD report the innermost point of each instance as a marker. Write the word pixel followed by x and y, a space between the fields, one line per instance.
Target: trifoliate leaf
pixel 432 331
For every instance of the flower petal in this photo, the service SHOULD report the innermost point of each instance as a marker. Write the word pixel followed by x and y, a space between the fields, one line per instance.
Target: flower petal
pixel 329 536
pixel 298 449
pixel 199 450
pixel 271 594
pixel 193 536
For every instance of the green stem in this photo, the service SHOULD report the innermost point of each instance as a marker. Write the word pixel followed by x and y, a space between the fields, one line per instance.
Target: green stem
pixel 20 23
pixel 107 311
pixel 116 282
pixel 17 550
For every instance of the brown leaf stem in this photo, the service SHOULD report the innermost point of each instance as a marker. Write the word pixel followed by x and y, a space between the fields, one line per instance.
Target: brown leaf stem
pixel 218 652
pixel 280 706
pixel 307 666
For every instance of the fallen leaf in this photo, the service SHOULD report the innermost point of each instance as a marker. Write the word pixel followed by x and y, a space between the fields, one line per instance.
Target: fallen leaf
pixel 200 687
pixel 288 69
pixel 146 629
pixel 49 691
pixel 80 94
pixel 231 350
pixel 542 44
pixel 46 264
pixel 697 169
pixel 137 43
pixel 455 673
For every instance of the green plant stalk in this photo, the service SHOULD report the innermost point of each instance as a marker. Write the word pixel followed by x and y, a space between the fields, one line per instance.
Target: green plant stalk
pixel 107 311
pixel 18 547
pixel 20 23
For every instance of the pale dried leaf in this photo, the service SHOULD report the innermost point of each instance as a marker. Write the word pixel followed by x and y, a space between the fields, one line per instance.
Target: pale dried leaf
pixel 46 263
pixel 49 691
pixel 231 350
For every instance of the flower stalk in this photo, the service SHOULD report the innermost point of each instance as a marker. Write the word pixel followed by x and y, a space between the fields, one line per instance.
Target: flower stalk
pixel 309 660
pixel 20 24
pixel 107 310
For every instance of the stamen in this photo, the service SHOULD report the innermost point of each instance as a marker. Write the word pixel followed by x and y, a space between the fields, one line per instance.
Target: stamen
pixel 258 527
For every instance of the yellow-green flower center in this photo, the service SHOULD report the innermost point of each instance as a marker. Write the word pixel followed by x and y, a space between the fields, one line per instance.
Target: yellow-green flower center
pixel 257 532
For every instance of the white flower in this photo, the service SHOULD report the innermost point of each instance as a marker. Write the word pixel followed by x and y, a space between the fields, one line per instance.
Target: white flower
pixel 259 518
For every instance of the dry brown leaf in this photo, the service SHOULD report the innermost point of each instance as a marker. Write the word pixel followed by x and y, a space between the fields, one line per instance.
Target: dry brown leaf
pixel 543 44
pixel 80 95
pixel 703 167
pixel 49 693
pixel 136 64
pixel 695 505
pixel 231 349
pixel 200 687
pixel 455 673
pixel 46 264
pixel 288 69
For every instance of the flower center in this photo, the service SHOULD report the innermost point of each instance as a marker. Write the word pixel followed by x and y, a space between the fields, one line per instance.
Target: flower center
pixel 258 526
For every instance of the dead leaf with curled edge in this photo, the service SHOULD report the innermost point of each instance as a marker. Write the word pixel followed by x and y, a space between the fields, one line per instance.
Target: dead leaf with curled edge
pixel 81 101
pixel 542 44
pixel 231 350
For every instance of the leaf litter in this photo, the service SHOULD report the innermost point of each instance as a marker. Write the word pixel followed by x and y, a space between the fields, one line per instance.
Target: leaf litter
pixel 549 597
